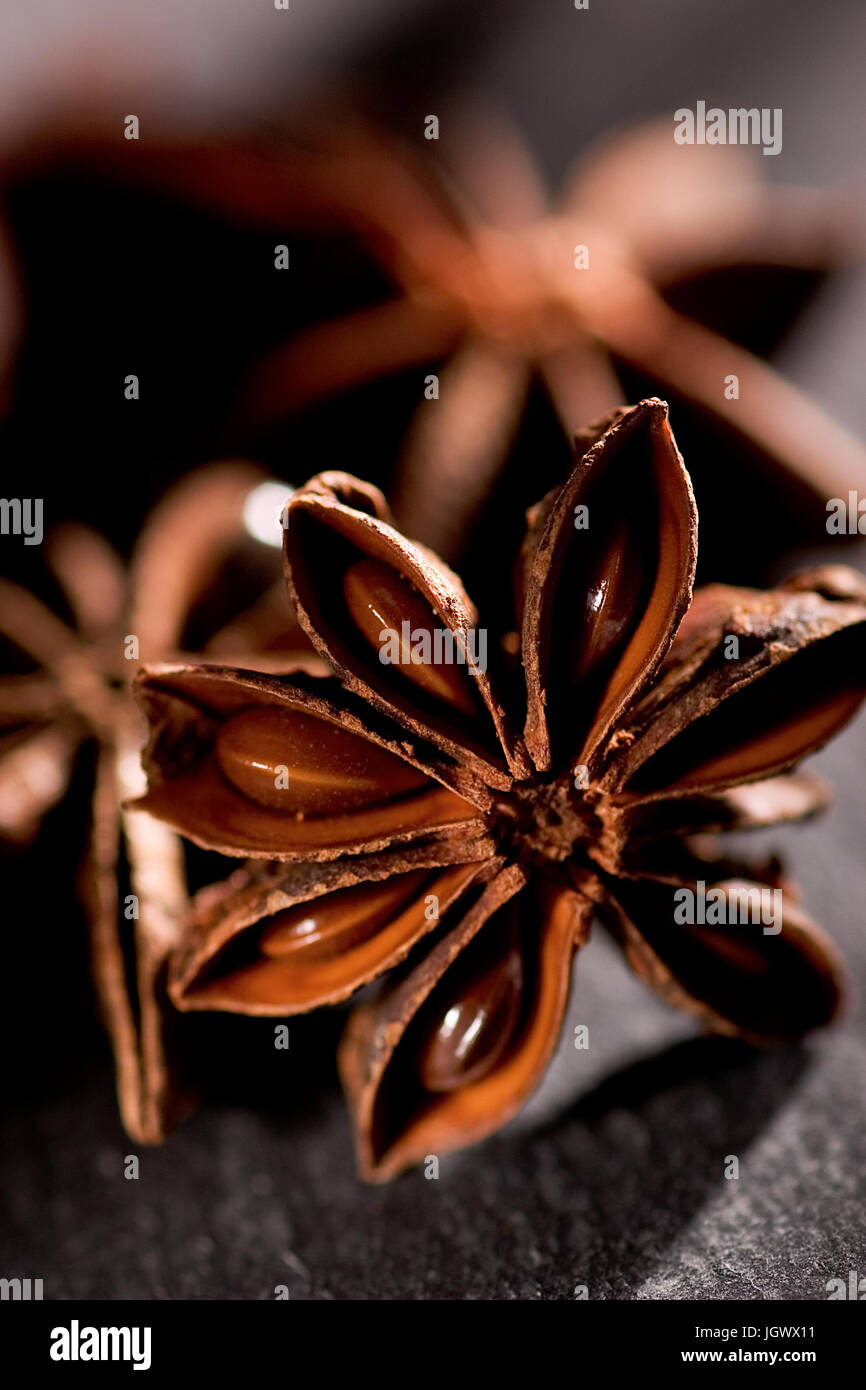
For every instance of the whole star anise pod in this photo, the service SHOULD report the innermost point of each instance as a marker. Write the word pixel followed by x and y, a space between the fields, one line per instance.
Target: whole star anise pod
pixel 466 823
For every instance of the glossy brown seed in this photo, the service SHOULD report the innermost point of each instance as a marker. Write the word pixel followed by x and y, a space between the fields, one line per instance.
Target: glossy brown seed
pixel 334 923
pixel 733 948
pixel 327 769
pixel 381 600
pixel 474 1029
pixel 612 579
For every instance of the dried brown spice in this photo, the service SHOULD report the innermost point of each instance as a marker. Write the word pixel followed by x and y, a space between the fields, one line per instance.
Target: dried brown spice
pixel 692 269
pixel 516 803
pixel 695 270
pixel 78 694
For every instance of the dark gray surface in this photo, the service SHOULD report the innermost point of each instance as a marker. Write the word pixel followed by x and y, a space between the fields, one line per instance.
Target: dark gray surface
pixel 613 1176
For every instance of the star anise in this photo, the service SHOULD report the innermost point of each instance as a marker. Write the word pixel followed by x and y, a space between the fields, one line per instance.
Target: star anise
pixel 465 823
pixel 694 269
pixel 77 693
pixel 669 267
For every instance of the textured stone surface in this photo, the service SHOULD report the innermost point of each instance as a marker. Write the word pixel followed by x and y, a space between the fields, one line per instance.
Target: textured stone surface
pixel 613 1179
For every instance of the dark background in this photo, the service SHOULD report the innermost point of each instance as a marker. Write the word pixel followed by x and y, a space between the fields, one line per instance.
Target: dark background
pixel 613 1176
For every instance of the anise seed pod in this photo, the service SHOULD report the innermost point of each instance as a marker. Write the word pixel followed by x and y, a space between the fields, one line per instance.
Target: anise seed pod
pixel 648 720
pixel 308 777
pixel 319 931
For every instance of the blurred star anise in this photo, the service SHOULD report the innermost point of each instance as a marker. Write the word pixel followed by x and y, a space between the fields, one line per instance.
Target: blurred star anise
pixel 76 694
pixel 465 824
pixel 692 270
pixel 455 263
